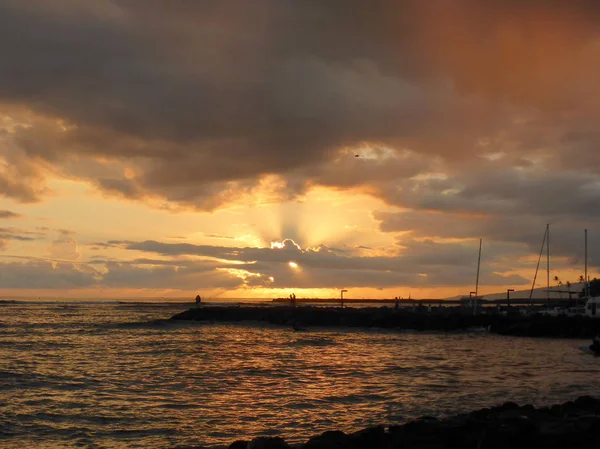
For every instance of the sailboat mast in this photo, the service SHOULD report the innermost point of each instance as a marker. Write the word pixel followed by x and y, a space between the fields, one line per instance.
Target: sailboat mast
pixel 477 280
pixel 548 259
pixel 586 266
pixel 537 268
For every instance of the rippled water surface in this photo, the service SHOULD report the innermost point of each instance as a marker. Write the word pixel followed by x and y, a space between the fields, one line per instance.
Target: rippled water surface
pixel 112 376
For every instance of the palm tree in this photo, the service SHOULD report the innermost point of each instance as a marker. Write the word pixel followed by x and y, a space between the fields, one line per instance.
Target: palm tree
pixel 558 284
pixel 582 281
pixel 557 280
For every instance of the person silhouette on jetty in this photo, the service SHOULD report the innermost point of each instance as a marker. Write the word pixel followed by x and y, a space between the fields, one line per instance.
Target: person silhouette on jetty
pixel 198 299
pixel 397 304
pixel 293 300
pixel 595 346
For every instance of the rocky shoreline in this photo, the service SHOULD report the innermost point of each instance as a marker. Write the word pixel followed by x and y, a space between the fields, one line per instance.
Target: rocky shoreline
pixel 573 425
pixel 444 319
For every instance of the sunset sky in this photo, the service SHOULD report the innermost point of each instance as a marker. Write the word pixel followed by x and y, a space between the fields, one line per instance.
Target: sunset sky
pixel 169 148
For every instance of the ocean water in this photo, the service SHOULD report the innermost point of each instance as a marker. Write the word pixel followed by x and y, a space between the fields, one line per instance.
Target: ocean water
pixel 119 376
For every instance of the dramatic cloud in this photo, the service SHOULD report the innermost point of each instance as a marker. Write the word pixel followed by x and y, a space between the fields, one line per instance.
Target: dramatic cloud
pixel 466 118
pixel 196 103
pixel 420 264
pixel 179 276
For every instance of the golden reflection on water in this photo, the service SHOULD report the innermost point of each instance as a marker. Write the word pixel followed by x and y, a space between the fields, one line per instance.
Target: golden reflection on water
pixel 109 375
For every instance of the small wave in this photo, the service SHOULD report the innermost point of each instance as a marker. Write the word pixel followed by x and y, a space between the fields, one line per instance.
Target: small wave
pixel 314 342
pixel 352 398
pixel 432 358
pixel 133 433
pixel 160 324
pixel 39 345
pixel 300 405
pixel 399 369
pixel 17 380
pixel 170 406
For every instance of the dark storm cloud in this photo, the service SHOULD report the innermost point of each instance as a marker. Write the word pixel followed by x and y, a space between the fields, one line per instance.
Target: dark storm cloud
pixel 498 191
pixel 479 117
pixel 507 239
pixel 120 186
pixel 199 94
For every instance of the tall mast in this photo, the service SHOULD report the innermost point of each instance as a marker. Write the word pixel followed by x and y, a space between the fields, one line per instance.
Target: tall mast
pixel 477 280
pixel 548 259
pixel 586 292
pixel 538 264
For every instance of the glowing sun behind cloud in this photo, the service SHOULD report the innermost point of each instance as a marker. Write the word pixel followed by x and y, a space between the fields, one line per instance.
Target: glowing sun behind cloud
pixel 323 216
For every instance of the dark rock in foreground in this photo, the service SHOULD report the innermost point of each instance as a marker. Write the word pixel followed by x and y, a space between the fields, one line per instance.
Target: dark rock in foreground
pixel 438 319
pixel 574 424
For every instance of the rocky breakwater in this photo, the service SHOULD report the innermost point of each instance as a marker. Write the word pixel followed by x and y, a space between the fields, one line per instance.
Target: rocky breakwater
pixel 301 317
pixel 547 326
pixel 438 319
pixel 573 425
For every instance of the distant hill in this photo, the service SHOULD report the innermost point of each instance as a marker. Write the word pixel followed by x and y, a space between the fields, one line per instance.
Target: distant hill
pixel 556 292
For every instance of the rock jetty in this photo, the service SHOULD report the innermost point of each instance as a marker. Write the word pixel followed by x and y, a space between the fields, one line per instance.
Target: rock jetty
pixel 443 319
pixel 572 425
